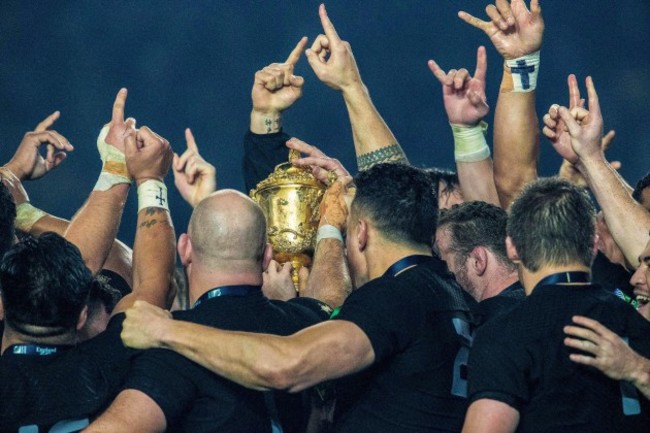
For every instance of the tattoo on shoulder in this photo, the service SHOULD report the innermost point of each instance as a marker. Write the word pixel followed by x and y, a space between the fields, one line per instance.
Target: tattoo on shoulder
pixel 392 153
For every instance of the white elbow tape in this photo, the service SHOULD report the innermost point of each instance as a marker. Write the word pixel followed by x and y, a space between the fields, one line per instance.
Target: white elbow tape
pixel 524 72
pixel 114 169
pixel 152 193
pixel 327 231
pixel 469 142
pixel 27 215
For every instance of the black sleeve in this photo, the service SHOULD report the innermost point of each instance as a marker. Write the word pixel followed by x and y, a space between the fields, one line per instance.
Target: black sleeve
pixel 388 319
pixel 262 152
pixel 497 369
pixel 168 379
pixel 303 312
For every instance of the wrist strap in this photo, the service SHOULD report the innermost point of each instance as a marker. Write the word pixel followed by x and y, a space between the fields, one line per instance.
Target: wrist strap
pixel 152 193
pixel 523 73
pixel 27 215
pixel 469 142
pixel 328 231
pixel 114 169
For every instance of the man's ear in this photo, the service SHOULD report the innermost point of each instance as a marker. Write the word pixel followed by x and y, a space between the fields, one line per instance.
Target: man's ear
pixel 362 235
pixel 185 249
pixel 83 317
pixel 479 260
pixel 513 255
pixel 268 256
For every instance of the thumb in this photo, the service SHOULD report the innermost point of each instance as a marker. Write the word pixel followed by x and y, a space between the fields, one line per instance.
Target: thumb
pixel 296 80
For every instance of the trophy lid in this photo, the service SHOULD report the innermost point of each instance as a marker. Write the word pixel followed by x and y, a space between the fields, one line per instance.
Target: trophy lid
pixel 288 174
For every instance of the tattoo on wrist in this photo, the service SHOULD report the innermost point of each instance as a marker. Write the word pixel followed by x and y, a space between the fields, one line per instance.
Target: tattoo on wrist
pixel 392 153
pixel 273 124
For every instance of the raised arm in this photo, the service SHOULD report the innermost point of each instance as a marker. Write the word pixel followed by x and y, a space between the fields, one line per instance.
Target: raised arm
pixel 516 33
pixel 578 139
pixel 466 106
pixel 148 158
pixel 333 63
pixel 28 163
pixel 95 225
pixel 275 89
pixel 260 361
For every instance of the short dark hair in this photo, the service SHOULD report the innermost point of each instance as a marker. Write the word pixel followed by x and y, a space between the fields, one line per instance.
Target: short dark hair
pixel 399 200
pixel 552 222
pixel 45 283
pixel 448 178
pixel 104 293
pixel 473 224
pixel 642 184
pixel 7 219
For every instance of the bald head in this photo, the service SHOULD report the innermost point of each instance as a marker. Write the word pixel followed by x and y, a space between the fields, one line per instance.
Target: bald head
pixel 228 227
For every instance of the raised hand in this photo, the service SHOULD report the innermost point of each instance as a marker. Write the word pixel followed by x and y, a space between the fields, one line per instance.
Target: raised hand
pixel 334 208
pixel 464 95
pixel 194 177
pixel 276 88
pixel 144 325
pixel 28 163
pixel 320 164
pixel 118 127
pixel 580 132
pixel 148 155
pixel 514 30
pixel 331 58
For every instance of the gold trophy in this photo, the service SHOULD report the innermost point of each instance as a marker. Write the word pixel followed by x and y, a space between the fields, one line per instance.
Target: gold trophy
pixel 290 198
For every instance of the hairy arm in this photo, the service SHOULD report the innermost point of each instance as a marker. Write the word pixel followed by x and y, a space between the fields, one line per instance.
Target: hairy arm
pixel 374 142
pixel 259 361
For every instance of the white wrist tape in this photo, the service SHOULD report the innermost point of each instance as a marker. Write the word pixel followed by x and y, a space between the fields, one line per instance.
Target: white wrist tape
pixel 152 193
pixel 114 169
pixel 469 142
pixel 524 72
pixel 27 215
pixel 328 231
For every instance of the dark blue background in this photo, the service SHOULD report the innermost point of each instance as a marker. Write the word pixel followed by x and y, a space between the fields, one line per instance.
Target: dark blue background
pixel 192 64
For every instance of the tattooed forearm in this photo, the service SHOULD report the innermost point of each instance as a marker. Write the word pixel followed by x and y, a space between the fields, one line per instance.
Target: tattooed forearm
pixel 150 217
pixel 392 153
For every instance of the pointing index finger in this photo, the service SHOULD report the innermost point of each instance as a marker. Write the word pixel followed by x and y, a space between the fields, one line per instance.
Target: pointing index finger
pixel 46 123
pixel 191 143
pixel 118 106
pixel 297 51
pixel 330 31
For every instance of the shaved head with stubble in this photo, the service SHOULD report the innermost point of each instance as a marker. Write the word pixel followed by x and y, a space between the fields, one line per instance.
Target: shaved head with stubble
pixel 228 229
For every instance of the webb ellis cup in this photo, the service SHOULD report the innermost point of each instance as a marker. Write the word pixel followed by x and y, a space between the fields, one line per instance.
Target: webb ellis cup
pixel 290 198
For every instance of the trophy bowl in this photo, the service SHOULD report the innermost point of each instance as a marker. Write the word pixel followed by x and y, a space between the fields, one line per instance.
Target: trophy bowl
pixel 290 198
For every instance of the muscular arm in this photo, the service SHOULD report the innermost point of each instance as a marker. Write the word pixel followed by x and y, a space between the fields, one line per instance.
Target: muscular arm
pixel 515 32
pixel 94 227
pixel 259 361
pixel 626 219
pixel 131 411
pixel 490 416
pixel 516 141
pixel 374 142
pixel 329 280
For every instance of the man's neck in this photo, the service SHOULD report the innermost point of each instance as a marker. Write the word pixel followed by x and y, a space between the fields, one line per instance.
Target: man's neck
pixel 201 281
pixel 530 279
pixel 388 254
pixel 497 283
pixel 11 337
